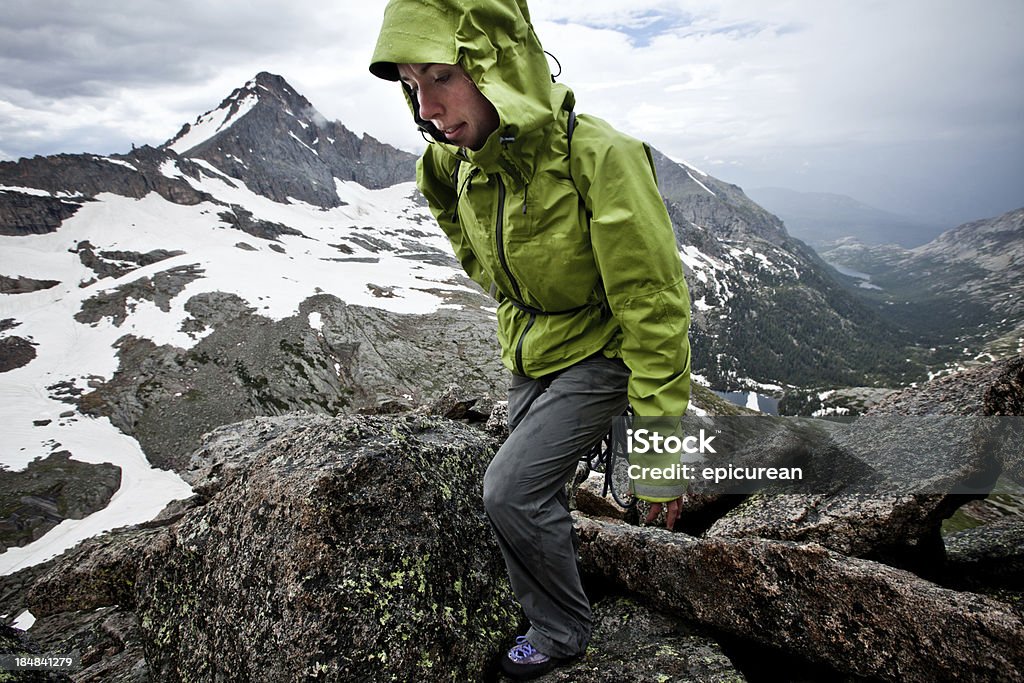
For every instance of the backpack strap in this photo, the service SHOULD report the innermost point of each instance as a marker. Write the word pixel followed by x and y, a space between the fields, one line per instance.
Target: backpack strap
pixel 570 128
pixel 455 185
pixel 455 173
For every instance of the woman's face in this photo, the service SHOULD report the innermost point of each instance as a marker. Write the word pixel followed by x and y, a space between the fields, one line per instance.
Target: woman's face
pixel 449 99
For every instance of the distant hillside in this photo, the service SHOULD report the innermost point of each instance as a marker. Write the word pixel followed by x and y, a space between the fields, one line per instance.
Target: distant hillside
pixel 961 293
pixel 821 218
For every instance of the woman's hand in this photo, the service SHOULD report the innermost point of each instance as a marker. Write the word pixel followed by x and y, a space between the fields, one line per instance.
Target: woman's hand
pixel 671 512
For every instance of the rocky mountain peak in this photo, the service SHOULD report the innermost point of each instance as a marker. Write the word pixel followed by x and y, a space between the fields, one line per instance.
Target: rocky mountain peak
pixel 273 139
pixel 266 90
pixel 707 201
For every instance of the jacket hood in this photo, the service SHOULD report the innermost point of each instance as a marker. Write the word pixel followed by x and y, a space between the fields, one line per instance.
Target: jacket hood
pixel 493 40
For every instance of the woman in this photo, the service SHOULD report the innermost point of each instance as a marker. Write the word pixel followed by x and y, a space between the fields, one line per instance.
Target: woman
pixel 560 219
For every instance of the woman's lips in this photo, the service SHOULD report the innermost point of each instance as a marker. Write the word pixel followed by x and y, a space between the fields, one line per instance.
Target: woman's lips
pixel 453 131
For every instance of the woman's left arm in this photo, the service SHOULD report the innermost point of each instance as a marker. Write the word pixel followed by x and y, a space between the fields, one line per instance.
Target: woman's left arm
pixel 638 258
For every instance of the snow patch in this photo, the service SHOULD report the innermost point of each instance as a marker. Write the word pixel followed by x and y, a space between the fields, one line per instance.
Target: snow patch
pixel 24 621
pixel 706 269
pixel 701 184
pixel 209 167
pixel 211 123
pixel 825 412
pixel 690 167
pixel 752 402
pixel 35 191
pixel 296 138
pixel 119 162
pixel 169 169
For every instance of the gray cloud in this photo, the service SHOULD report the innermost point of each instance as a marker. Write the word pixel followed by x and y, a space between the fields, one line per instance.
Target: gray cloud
pixel 914 105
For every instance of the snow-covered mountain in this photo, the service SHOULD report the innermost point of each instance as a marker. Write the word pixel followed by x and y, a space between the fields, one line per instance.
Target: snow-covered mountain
pixel 151 296
pixel 275 141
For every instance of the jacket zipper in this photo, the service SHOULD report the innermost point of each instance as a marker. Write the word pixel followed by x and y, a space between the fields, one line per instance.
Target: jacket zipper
pixel 519 346
pixel 500 236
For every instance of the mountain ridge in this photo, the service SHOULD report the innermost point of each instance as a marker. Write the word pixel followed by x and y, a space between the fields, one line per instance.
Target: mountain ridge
pixel 964 289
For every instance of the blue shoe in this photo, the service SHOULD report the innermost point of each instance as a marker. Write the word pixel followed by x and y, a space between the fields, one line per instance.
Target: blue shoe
pixel 524 661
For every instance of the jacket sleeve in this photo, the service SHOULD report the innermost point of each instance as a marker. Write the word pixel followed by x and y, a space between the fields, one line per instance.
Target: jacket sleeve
pixel 638 258
pixel 434 179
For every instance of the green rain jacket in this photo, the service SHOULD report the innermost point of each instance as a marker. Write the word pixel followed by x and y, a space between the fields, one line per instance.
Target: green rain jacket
pixel 579 252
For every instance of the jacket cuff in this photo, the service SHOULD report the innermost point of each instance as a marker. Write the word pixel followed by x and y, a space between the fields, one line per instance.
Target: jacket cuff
pixel 658 494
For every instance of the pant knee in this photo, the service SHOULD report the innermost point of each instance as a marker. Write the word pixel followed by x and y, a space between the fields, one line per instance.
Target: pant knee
pixel 494 492
pixel 503 493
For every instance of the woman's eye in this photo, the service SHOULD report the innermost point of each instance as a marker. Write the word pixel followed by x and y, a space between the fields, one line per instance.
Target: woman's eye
pixel 441 79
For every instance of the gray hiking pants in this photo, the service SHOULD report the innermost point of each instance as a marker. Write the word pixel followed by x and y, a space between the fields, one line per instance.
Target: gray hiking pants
pixel 553 421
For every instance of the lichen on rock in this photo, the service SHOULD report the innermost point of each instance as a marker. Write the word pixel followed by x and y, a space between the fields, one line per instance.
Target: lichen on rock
pixel 350 548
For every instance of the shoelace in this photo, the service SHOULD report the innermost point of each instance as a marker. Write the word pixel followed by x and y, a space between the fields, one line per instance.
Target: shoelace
pixel 522 650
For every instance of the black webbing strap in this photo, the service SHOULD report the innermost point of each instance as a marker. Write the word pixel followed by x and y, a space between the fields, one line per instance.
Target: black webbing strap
pixel 536 311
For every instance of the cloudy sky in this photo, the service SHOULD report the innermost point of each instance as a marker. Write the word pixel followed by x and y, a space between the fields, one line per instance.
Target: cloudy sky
pixel 915 106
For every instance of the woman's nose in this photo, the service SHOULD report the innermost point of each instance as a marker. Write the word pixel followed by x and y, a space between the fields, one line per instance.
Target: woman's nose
pixel 430 106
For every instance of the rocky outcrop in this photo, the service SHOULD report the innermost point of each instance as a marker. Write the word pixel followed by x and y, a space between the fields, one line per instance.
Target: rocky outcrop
pixel 348 548
pixel 24 285
pixel 53 188
pixel 987 556
pixel 861 617
pixel 881 486
pixel 108 641
pixel 15 642
pixel 989 389
pixel 870 488
pixel 1005 396
pixel 632 642
pixel 15 352
pixel 242 219
pixel 24 213
pixel 117 263
pixel 365 535
pixel 160 289
pixel 48 491
pixel 991 392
